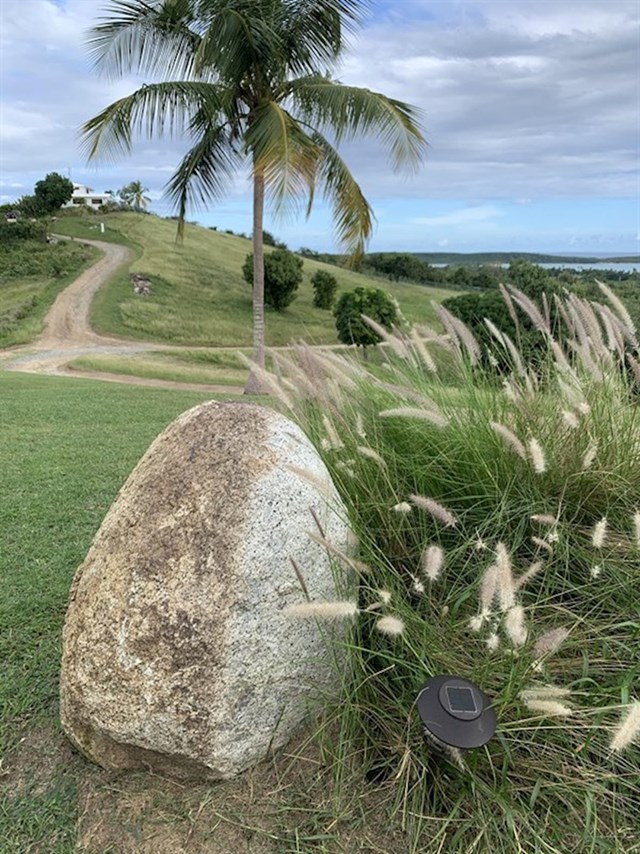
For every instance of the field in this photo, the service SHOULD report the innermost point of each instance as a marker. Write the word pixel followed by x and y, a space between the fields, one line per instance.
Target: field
pixel 32 274
pixel 199 296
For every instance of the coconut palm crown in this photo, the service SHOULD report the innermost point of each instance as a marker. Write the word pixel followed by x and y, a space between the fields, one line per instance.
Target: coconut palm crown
pixel 248 81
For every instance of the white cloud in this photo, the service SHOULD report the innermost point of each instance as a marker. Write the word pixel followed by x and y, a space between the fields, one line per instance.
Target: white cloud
pixel 461 217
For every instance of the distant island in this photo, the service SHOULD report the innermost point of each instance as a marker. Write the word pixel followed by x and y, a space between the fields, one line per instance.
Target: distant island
pixel 508 257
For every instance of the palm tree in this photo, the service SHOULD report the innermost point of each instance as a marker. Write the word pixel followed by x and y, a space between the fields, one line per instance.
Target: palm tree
pixel 248 81
pixel 138 198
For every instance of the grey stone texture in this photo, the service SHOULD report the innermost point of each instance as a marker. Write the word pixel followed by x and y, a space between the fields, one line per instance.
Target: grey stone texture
pixel 177 657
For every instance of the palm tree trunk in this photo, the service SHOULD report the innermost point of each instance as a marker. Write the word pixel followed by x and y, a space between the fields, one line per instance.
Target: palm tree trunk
pixel 254 384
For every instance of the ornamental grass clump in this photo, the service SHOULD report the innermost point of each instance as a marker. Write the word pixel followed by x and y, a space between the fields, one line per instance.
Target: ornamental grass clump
pixel 484 524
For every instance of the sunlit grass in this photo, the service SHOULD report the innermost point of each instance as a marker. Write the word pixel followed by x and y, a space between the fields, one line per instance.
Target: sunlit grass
pixel 199 296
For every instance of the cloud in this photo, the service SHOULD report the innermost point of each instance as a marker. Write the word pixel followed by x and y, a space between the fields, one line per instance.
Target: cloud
pixel 521 100
pixel 461 217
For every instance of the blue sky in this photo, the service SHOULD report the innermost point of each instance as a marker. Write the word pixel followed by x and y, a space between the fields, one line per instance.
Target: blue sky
pixel 530 108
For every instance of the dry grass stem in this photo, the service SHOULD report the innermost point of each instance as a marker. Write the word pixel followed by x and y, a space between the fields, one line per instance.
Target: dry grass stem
pixel 440 513
pixel 628 729
pixel 356 565
pixel 510 438
pixel 323 484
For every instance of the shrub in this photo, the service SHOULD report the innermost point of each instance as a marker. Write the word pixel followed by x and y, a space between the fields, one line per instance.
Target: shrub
pixel 499 530
pixel 324 289
pixel 282 275
pixel 373 303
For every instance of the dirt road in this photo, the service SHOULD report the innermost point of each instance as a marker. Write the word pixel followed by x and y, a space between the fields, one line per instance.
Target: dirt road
pixel 68 334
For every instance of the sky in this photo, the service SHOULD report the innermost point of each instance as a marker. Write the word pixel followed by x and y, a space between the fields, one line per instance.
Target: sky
pixel 531 109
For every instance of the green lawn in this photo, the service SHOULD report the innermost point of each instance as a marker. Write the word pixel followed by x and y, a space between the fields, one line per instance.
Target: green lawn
pixel 199 296
pixel 67 446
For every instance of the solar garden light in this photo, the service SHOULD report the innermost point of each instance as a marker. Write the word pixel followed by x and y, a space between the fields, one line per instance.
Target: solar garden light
pixel 456 713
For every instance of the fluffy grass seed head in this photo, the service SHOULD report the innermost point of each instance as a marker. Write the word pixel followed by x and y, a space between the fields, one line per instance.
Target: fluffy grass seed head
pixel 544 519
pixel 636 528
pixel 332 442
pixel 429 415
pixel 542 544
pixel 537 457
pixel 365 451
pixel 570 419
pixel 440 513
pixel 596 571
pixel 550 641
pixel 389 625
pixel 488 588
pixel 599 534
pixel 403 507
pixel 492 642
pixel 590 456
pixel 545 692
pixel 514 625
pixel 431 562
pixel 504 577
pixel 323 610
pixel 628 729
pixel 510 438
pixel 549 708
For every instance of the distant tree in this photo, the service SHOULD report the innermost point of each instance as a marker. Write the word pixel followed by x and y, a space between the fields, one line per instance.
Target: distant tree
pixel 530 278
pixel 133 196
pixel 324 286
pixel 484 279
pixel 282 275
pixel 53 191
pixel 373 303
pixel 31 206
pixel 459 276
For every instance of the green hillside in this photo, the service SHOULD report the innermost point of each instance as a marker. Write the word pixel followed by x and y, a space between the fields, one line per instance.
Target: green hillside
pixel 199 297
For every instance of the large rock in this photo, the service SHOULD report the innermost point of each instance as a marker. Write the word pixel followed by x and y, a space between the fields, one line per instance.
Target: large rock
pixel 177 656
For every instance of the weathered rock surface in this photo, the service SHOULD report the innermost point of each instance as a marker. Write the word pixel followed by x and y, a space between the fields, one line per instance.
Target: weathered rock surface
pixel 176 653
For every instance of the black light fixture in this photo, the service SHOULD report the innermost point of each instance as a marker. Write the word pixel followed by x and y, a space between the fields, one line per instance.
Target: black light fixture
pixel 456 713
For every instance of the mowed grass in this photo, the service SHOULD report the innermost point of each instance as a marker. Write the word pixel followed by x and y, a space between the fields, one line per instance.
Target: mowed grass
pixel 189 366
pixel 67 447
pixel 200 297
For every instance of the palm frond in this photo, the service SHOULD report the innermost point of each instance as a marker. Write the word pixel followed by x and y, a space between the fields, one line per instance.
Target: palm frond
pixel 157 109
pixel 284 153
pixel 314 31
pixel 352 214
pixel 148 37
pixel 352 111
pixel 205 173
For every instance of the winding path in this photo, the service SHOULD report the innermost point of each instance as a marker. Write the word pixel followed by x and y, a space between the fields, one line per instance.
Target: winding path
pixel 68 334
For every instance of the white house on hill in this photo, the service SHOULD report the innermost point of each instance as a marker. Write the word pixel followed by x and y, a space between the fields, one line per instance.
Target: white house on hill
pixel 86 196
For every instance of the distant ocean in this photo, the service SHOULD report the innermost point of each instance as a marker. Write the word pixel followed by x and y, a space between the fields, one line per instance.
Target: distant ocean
pixel 595 265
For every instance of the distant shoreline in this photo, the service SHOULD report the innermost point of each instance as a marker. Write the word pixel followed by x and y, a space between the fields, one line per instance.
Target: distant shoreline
pixel 507 257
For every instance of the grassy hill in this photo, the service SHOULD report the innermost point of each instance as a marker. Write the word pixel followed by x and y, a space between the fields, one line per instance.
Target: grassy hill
pixel 199 295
